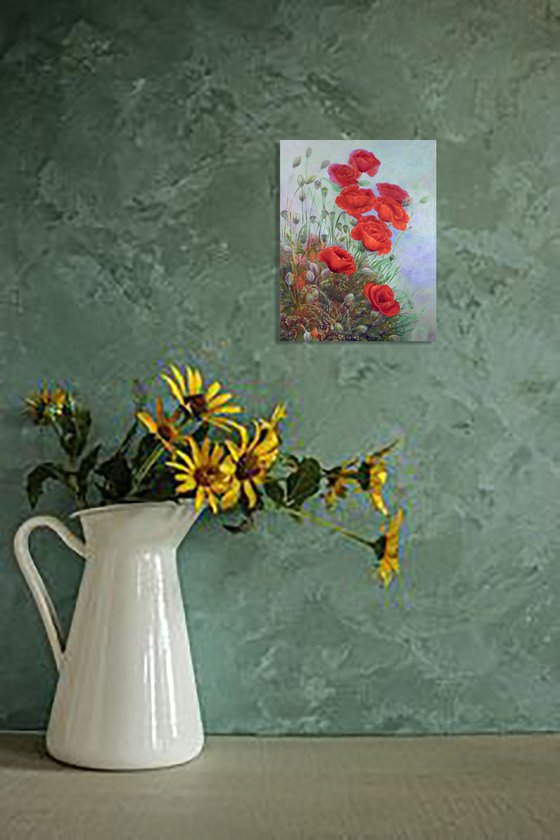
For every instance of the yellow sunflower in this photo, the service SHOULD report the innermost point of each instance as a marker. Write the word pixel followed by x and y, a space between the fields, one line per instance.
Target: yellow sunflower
pixel 377 478
pixel 201 471
pixel 389 564
pixel 162 426
pixel 248 463
pixel 339 480
pixel 208 406
pixel 46 404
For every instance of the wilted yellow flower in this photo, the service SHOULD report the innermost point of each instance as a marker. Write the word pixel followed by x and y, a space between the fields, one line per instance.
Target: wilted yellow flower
pixel 377 478
pixel 201 470
pixel 207 406
pixel 162 426
pixel 339 481
pixel 389 563
pixel 248 463
pixel 46 404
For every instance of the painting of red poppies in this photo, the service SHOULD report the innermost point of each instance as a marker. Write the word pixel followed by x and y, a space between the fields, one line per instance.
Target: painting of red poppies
pixel 357 240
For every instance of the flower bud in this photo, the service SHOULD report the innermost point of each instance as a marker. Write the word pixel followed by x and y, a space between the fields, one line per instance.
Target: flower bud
pixel 349 299
pixel 361 329
pixel 314 268
pixel 307 336
pixel 324 237
pixel 308 152
pixel 296 220
pixel 367 271
pixel 300 180
pixel 324 164
pixel 325 272
pixel 289 278
pixel 317 185
pixel 301 197
pixel 339 328
pixel 312 295
pixel 297 161
pixel 310 277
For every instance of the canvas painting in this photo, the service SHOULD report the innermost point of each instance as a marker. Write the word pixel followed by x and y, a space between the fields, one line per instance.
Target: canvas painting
pixel 358 240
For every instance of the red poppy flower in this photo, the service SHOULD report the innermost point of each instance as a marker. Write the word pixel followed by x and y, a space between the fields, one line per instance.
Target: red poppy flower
pixel 373 234
pixel 343 175
pixel 392 191
pixel 364 161
pixel 355 201
pixel 382 299
pixel 391 211
pixel 338 260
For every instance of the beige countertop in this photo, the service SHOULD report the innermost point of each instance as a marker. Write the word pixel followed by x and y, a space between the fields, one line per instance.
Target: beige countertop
pixel 240 788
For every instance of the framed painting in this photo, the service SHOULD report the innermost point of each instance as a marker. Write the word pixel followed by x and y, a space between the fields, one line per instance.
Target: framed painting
pixel 357 240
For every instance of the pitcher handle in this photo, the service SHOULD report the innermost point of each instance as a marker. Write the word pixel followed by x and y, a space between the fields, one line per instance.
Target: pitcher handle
pixel 34 580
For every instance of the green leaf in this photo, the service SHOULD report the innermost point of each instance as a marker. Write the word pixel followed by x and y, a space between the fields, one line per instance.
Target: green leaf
pixel 85 467
pixel 117 477
pixel 145 447
pixel 304 482
pixel 74 423
pixel 362 475
pixel 274 490
pixel 160 485
pixel 241 528
pixel 37 477
pixel 310 179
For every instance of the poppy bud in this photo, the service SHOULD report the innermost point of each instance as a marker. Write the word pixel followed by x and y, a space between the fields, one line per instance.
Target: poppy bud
pixel 325 164
pixel 308 152
pixel 296 220
pixel 312 295
pixel 367 271
pixel 289 278
pixel 307 336
pixel 348 299
pixel 310 277
pixel 325 272
pixel 324 237
pixel 339 328
pixel 317 184
pixel 314 268
pixel 301 197
pixel 297 161
pixel 300 180
pixel 361 329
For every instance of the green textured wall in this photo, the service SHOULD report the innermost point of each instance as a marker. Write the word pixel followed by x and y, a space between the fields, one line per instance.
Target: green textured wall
pixel 138 190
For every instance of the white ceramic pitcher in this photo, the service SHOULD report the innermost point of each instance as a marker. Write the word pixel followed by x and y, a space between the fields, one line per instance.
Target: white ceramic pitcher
pixel 126 696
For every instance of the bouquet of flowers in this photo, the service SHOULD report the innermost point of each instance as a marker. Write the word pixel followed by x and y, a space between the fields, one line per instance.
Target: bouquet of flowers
pixel 192 444
pixel 339 280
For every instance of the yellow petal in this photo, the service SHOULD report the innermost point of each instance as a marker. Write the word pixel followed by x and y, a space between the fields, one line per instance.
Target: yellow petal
pixel 250 493
pixel 187 485
pixel 194 380
pixel 199 498
pixel 212 390
pixel 179 377
pixel 227 409
pixel 215 402
pixel 212 501
pixel 173 387
pixel 231 497
pixel 147 421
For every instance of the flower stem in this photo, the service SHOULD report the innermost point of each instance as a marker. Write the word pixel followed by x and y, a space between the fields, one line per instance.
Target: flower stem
pixel 325 523
pixel 147 465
